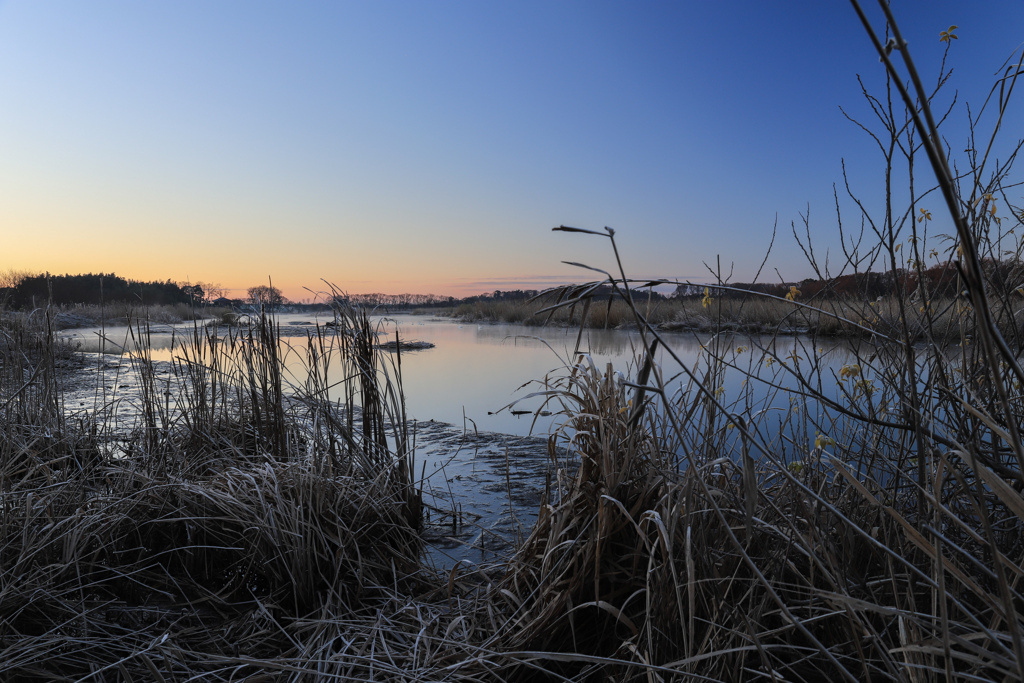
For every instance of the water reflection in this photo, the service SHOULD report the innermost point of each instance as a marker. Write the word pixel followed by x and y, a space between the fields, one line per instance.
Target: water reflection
pixel 610 343
pixel 476 370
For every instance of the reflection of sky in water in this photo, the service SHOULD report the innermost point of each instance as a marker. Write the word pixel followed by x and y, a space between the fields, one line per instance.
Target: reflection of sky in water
pixel 478 368
pixel 474 370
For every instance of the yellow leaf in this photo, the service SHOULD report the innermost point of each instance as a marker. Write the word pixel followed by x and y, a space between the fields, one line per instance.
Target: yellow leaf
pixel 706 301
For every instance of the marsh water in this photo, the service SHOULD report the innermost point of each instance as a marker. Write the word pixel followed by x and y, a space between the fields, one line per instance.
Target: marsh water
pixel 481 438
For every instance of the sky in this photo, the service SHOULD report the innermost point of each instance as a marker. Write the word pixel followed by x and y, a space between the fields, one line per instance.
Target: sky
pixel 430 147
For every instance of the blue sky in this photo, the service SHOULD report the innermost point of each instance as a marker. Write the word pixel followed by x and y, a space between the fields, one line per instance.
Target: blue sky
pixel 431 146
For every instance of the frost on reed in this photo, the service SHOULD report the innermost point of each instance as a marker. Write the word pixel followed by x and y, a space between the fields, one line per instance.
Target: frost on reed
pixel 230 513
pixel 869 528
pixel 863 524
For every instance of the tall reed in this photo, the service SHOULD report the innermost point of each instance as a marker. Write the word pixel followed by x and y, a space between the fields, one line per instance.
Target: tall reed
pixel 230 512
pixel 869 528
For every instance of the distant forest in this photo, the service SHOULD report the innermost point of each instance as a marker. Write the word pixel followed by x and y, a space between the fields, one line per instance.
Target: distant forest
pixel 94 288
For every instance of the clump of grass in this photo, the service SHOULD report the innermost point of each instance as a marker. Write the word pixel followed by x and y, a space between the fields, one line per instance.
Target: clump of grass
pixel 228 515
pixel 870 530
pixel 672 551
pixel 226 317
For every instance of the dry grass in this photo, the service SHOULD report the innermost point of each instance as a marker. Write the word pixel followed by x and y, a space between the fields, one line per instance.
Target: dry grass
pixel 942 320
pixel 199 543
pixel 262 536
pixel 870 527
pixel 90 315
pixel 674 552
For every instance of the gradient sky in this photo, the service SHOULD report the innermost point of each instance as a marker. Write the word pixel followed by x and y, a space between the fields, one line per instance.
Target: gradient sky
pixel 430 146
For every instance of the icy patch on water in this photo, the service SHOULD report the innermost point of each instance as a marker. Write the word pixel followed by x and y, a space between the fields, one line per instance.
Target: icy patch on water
pixel 483 490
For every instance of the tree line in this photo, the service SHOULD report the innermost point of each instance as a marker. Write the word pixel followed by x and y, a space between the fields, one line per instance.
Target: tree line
pixel 23 289
pixel 95 288
pixel 941 280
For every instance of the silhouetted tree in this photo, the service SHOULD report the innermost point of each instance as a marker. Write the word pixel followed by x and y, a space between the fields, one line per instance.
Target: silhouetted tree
pixel 212 291
pixel 265 296
pixel 194 292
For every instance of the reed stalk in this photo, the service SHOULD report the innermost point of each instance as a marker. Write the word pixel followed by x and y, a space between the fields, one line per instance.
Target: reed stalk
pixel 800 524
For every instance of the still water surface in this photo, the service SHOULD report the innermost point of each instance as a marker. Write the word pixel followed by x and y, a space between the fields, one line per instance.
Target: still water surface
pixel 477 458
pixel 476 370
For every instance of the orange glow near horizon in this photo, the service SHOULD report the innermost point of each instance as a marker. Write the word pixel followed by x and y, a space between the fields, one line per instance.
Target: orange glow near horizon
pixel 300 274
